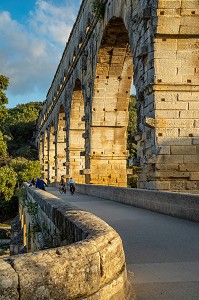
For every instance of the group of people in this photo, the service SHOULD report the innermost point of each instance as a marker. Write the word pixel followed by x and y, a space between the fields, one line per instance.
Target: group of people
pixel 71 184
pixel 40 183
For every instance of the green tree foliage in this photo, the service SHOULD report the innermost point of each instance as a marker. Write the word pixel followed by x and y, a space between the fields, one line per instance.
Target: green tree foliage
pixel 98 9
pixel 16 133
pixel 3 146
pixel 8 180
pixel 20 126
pixel 4 81
pixel 26 169
pixel 131 146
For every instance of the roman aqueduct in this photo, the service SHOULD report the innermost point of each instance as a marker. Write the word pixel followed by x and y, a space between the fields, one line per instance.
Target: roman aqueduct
pixel 82 128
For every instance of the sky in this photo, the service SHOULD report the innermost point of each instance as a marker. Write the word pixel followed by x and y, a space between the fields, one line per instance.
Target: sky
pixel 33 35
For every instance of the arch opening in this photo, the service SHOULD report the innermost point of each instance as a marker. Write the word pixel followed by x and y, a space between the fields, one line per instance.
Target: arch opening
pixel 76 141
pixel 60 152
pixel 51 154
pixel 113 81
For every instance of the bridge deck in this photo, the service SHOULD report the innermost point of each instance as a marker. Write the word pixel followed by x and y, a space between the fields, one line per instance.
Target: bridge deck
pixel 162 252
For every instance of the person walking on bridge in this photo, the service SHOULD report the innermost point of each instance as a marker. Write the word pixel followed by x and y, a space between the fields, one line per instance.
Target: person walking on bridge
pixel 40 184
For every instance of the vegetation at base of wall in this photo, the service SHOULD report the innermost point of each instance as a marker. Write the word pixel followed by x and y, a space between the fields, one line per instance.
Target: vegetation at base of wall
pixel 18 155
pixel 98 9
pixel 31 234
pixel 32 208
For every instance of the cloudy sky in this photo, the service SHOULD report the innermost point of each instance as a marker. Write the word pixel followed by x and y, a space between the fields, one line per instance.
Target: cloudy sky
pixel 33 34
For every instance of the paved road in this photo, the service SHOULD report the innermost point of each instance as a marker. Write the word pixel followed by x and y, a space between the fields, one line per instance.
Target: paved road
pixel 162 252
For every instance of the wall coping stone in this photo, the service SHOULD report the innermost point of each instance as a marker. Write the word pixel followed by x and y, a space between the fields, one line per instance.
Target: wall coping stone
pixel 181 205
pixel 82 270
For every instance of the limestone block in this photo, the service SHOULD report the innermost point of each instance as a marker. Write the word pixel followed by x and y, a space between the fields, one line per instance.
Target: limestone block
pixel 162 4
pixel 172 174
pixel 168 45
pixel 178 105
pixel 191 159
pixel 192 132
pixel 168 114
pixel 183 150
pixel 190 79
pixel 168 12
pixel 177 185
pixel 168 97
pixel 191 167
pixel 163 66
pixel 190 114
pixel 189 29
pixel 195 141
pixel 169 167
pixel 167 133
pixel 186 70
pixel 8 282
pixel 157 185
pixel 164 150
pixel 168 27
pixel 191 185
pixel 193 105
pixel 173 141
pixel 194 176
pixel 191 4
pixel 170 159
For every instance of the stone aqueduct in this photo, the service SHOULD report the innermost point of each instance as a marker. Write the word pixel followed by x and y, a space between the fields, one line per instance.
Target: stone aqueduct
pixel 82 128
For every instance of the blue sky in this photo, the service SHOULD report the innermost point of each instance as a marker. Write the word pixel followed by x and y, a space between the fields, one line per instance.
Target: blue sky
pixel 33 35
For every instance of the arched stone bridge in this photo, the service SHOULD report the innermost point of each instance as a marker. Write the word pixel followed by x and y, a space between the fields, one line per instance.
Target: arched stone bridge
pixel 82 128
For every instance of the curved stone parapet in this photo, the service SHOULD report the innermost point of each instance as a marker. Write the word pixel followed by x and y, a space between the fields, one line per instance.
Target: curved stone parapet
pixel 93 267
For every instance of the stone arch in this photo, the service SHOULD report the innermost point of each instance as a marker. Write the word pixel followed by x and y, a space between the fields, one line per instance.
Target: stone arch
pixel 45 154
pixel 112 85
pixel 76 129
pixel 51 153
pixel 61 144
pixel 40 147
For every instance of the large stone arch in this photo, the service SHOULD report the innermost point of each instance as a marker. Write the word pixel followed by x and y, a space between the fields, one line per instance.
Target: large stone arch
pixel 113 78
pixel 45 154
pixel 51 153
pixel 76 149
pixel 61 144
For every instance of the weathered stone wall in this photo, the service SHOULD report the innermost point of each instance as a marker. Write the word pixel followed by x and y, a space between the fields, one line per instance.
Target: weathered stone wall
pixel 155 43
pixel 183 206
pixel 170 156
pixel 82 270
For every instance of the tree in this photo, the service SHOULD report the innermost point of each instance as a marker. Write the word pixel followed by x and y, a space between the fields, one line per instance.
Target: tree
pixel 131 145
pixel 8 180
pixel 4 81
pixel 19 126
pixel 26 169
pixel 3 146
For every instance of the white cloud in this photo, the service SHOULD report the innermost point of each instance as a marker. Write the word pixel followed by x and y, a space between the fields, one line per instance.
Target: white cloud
pixel 30 52
pixel 53 21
